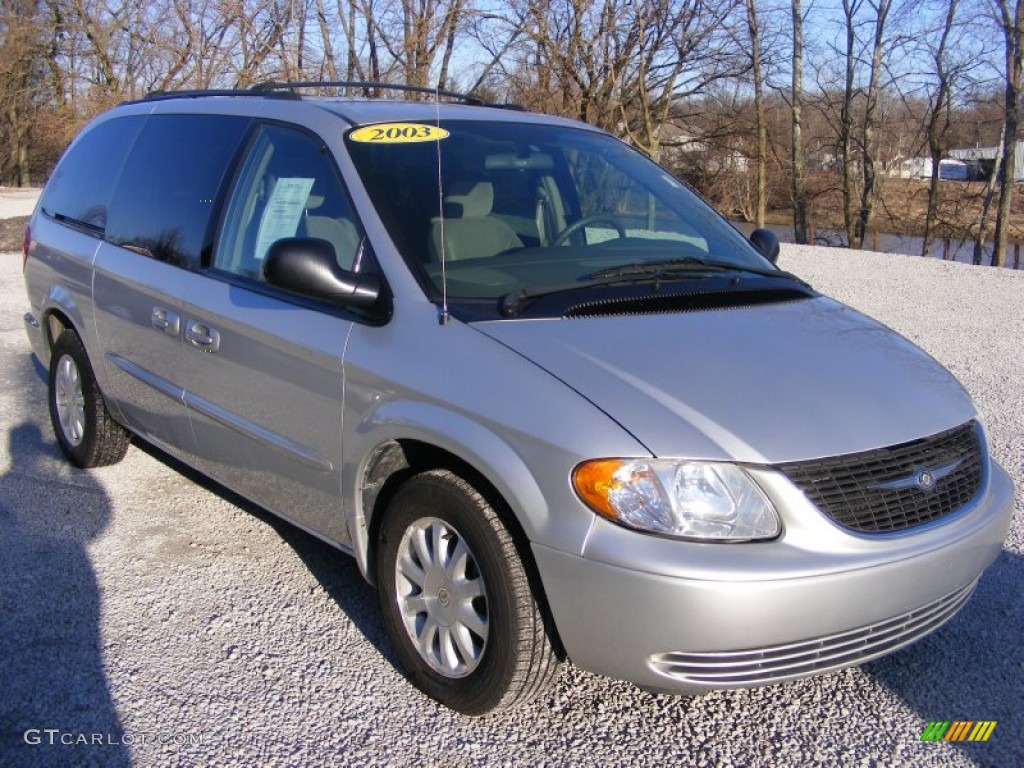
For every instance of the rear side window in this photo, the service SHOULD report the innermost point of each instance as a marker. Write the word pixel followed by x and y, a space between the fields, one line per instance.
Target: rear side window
pixel 81 187
pixel 164 201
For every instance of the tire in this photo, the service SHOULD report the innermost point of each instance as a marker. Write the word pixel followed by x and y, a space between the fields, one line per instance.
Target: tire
pixel 456 598
pixel 86 432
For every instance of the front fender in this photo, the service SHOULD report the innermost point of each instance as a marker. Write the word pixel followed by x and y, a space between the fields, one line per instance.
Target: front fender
pixel 498 460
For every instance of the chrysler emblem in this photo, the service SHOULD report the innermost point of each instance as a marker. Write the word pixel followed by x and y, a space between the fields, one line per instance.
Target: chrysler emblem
pixel 924 480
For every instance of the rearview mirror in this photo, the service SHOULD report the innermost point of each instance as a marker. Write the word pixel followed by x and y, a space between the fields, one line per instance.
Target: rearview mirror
pixel 767 242
pixel 309 267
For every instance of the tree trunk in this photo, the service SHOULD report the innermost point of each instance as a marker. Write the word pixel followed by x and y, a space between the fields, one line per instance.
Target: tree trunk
pixel 325 39
pixel 935 153
pixel 797 150
pixel 451 27
pixel 867 192
pixel 1013 34
pixel 761 195
pixel 846 123
pixel 17 154
pixel 986 204
pixel 935 128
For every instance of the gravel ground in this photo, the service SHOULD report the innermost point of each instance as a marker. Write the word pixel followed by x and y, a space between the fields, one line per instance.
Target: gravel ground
pixel 15 206
pixel 184 626
pixel 17 201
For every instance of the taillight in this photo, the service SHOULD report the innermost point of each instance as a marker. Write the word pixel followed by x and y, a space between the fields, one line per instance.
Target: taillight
pixel 25 247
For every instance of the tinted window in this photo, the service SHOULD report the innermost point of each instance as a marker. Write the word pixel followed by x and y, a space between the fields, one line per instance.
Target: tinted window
pixel 163 205
pixel 287 187
pixel 81 186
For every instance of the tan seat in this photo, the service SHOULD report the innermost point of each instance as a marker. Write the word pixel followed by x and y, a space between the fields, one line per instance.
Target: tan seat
pixel 470 231
pixel 341 233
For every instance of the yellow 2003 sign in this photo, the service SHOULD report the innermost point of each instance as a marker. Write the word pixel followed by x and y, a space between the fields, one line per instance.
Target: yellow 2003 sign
pixel 398 133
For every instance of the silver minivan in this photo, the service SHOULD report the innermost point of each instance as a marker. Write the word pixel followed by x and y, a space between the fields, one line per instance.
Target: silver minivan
pixel 552 403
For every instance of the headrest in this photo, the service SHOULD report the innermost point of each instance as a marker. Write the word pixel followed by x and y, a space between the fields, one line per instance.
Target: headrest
pixel 469 199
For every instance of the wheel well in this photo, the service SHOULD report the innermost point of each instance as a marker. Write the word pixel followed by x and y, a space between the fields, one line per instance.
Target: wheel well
pixel 55 324
pixel 396 461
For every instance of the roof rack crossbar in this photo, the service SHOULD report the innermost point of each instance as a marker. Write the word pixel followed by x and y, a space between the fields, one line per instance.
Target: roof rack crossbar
pixel 271 86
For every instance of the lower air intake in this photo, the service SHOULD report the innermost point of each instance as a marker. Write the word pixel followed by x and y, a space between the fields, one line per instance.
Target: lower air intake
pixel 774 664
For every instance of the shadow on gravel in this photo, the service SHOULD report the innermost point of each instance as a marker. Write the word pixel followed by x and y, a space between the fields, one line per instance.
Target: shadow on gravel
pixel 337 572
pixel 55 704
pixel 972 668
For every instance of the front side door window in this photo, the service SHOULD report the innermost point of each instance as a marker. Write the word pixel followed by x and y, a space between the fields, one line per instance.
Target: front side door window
pixel 288 187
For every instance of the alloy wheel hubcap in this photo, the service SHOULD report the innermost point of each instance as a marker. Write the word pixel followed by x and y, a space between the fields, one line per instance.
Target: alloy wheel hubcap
pixel 70 401
pixel 442 597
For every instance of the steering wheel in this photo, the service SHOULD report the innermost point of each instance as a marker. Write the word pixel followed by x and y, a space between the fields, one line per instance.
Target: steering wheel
pixel 586 221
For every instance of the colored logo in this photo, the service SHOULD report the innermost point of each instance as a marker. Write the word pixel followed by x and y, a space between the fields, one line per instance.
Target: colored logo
pixel 398 133
pixel 958 730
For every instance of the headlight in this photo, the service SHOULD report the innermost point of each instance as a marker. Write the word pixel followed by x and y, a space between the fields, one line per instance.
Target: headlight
pixel 689 499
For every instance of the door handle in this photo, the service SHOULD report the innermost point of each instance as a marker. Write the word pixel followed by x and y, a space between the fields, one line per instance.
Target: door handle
pixel 202 336
pixel 165 320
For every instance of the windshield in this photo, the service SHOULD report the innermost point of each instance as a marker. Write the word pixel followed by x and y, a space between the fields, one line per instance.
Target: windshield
pixel 531 208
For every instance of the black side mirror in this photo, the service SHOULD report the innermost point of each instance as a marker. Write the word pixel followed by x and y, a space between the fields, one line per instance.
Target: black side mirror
pixel 308 266
pixel 767 242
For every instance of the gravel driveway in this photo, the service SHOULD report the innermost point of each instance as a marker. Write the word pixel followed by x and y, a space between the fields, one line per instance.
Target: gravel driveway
pixel 142 608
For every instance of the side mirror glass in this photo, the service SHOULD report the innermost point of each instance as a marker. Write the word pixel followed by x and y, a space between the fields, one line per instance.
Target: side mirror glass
pixel 767 242
pixel 308 266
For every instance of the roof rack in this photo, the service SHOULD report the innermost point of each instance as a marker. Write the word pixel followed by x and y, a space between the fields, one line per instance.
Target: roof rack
pixel 199 93
pixel 272 86
pixel 286 90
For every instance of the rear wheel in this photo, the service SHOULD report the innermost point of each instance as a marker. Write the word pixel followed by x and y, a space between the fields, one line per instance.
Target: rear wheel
pixel 87 434
pixel 456 599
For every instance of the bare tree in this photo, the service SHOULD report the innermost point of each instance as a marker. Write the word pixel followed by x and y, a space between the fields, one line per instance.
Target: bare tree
pixel 761 151
pixel 260 26
pixel 881 9
pixel 629 68
pixel 799 190
pixel 851 10
pixel 938 119
pixel 689 82
pixel 1011 20
pixel 418 35
pixel 985 220
pixel 21 49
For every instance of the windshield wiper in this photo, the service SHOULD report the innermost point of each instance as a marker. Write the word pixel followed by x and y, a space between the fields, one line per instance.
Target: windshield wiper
pixel 64 218
pixel 513 302
pixel 685 263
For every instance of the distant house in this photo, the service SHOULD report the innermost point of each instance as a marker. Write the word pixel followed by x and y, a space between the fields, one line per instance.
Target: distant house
pixel 984 158
pixel 921 168
pixel 680 147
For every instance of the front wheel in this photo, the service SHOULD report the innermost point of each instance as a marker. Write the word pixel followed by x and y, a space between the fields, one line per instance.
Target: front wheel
pixel 456 598
pixel 86 432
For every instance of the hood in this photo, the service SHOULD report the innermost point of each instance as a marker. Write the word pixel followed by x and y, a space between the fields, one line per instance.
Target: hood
pixel 764 384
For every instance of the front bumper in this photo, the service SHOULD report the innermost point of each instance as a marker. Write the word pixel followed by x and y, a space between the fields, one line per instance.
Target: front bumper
pixel 693 628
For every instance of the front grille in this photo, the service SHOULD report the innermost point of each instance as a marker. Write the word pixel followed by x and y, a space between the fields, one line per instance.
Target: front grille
pixel 774 664
pixel 877 491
